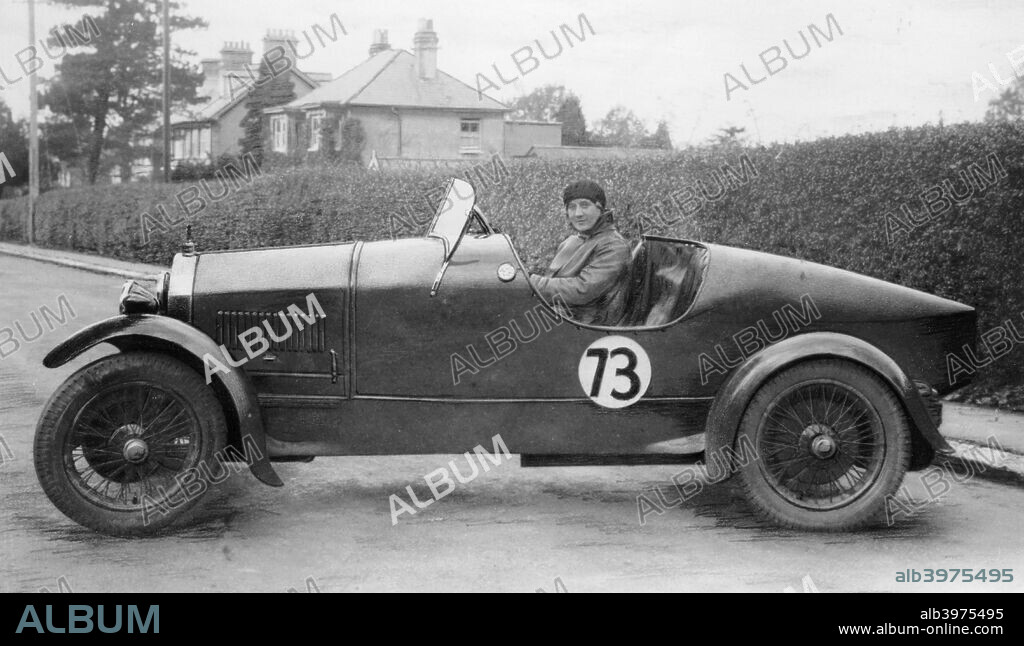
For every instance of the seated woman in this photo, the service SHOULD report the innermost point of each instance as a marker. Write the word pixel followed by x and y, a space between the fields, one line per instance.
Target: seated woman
pixel 590 270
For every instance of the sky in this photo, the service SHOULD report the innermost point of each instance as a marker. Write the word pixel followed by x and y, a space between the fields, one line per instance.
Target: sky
pixel 896 63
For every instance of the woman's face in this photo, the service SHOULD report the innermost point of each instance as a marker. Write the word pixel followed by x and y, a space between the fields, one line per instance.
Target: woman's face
pixel 583 214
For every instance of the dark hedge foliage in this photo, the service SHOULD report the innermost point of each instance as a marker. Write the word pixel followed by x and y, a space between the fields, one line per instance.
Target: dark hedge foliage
pixel 185 172
pixel 824 201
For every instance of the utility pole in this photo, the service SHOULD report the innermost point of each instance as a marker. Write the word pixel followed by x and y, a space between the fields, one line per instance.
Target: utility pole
pixel 167 93
pixel 33 133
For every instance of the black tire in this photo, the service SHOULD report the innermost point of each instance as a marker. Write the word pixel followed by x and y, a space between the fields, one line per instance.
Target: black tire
pixel 832 443
pixel 142 422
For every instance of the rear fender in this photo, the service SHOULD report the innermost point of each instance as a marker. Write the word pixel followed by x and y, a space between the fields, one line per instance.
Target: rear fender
pixel 735 395
pixel 161 333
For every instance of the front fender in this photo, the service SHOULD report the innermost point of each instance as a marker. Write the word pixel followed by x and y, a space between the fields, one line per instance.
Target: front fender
pixel 738 390
pixel 140 331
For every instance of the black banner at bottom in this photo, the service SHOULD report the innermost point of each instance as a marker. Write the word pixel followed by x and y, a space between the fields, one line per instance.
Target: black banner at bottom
pixel 840 617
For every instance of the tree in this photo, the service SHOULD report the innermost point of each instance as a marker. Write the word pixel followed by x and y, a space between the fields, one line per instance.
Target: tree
pixel 554 103
pixel 115 90
pixel 1008 106
pixel 620 127
pixel 268 92
pixel 728 136
pixel 542 104
pixel 65 138
pixel 660 139
pixel 574 126
pixel 14 146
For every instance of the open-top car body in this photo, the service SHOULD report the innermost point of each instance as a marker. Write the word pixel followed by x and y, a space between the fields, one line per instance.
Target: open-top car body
pixel 816 385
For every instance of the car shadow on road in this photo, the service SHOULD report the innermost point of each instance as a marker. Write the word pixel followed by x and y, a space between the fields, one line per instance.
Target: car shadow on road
pixel 242 505
pixel 726 505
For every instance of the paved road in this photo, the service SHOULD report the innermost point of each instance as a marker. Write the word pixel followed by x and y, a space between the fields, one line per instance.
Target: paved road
pixel 510 529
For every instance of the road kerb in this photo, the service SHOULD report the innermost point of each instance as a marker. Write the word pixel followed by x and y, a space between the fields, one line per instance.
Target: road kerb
pixel 987 462
pixel 94 267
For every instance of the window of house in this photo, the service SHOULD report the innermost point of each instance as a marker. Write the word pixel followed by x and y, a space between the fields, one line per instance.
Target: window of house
pixel 178 148
pixel 469 136
pixel 192 144
pixel 279 129
pixel 316 122
pixel 205 149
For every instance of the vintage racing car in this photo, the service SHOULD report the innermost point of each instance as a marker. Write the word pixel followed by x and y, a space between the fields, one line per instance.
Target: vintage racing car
pixel 817 386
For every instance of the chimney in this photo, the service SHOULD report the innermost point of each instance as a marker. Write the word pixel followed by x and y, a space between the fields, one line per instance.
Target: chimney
pixel 425 46
pixel 235 56
pixel 281 38
pixel 211 78
pixel 380 41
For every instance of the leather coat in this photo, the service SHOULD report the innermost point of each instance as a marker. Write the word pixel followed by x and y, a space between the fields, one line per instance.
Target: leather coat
pixel 590 273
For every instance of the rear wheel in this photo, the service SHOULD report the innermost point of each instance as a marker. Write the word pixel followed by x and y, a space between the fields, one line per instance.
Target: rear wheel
pixel 125 444
pixel 832 443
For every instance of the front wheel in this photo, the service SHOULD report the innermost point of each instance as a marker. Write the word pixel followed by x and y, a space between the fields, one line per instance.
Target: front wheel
pixel 832 443
pixel 124 445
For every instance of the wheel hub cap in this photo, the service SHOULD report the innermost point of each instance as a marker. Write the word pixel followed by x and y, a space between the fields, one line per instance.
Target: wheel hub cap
pixel 135 450
pixel 823 447
pixel 820 441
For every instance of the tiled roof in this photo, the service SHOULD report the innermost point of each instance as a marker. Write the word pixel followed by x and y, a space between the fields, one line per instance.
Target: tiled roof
pixel 215 108
pixel 209 111
pixel 320 77
pixel 389 78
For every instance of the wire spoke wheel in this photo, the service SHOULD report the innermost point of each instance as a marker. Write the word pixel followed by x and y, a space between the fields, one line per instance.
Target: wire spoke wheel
pixel 822 444
pixel 832 442
pixel 120 446
pixel 130 441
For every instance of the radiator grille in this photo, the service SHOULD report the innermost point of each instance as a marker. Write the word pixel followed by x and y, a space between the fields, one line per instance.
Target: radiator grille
pixel 311 338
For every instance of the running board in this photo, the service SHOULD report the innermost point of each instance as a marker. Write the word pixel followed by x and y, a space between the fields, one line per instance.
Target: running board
pixel 547 460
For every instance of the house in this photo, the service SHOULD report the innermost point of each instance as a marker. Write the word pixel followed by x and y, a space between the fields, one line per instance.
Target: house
pixel 204 134
pixel 406 111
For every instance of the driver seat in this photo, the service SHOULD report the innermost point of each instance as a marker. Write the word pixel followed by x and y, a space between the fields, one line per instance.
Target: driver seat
pixel 664 278
pixel 637 288
pixel 675 275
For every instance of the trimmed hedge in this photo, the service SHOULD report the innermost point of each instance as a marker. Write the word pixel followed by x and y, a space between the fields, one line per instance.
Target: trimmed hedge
pixel 825 201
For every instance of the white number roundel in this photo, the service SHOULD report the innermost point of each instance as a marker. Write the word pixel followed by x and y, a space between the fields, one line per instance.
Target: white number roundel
pixel 615 372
